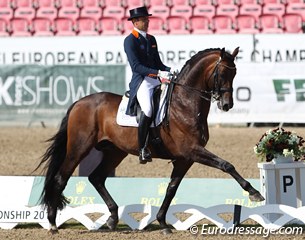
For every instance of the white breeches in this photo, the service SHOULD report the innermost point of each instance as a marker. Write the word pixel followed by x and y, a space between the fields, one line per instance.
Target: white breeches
pixel 144 94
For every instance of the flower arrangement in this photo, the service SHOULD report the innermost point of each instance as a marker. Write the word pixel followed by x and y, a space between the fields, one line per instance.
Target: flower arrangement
pixel 276 142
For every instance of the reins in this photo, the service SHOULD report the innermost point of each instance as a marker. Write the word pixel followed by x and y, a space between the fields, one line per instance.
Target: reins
pixel 213 95
pixel 217 89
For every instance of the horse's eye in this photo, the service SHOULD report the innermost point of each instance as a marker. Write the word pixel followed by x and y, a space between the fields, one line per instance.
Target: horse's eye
pixel 222 77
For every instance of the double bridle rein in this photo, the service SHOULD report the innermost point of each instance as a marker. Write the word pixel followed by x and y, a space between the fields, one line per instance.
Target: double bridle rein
pixel 217 91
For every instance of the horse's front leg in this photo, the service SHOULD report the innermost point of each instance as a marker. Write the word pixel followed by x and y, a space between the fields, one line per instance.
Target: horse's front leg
pixel 97 179
pixel 207 158
pixel 112 157
pixel 180 169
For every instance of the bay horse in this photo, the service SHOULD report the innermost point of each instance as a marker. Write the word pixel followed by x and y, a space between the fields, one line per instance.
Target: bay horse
pixel 91 122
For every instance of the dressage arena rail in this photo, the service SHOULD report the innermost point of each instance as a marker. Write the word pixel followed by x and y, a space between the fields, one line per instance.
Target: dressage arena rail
pixel 10 218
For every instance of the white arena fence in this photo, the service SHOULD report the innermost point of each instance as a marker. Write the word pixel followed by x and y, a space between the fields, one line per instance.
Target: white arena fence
pixel 10 218
pixel 21 204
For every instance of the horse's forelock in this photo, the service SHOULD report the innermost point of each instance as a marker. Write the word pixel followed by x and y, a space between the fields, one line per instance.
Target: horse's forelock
pixel 229 56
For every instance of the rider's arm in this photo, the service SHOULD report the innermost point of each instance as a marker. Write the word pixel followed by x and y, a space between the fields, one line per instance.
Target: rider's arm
pixel 157 58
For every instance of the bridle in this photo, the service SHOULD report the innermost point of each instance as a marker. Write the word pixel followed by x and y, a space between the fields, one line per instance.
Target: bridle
pixel 217 91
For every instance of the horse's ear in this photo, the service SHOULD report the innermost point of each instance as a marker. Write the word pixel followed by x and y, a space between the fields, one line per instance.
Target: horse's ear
pixel 223 52
pixel 235 52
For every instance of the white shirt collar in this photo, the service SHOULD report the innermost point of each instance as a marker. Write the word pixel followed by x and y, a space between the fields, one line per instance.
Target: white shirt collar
pixel 141 32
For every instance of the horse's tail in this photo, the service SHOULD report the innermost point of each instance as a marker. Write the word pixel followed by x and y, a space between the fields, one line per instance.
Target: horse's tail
pixel 53 159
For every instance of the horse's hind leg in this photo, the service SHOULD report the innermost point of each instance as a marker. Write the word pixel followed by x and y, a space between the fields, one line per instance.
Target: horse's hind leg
pixel 212 160
pixel 59 182
pixel 112 157
pixel 180 169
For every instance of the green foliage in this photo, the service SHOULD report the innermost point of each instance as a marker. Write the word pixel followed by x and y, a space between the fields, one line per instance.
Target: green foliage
pixel 276 142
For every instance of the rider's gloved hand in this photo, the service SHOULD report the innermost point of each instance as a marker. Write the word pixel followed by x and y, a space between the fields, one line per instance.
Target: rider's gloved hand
pixel 174 72
pixel 164 74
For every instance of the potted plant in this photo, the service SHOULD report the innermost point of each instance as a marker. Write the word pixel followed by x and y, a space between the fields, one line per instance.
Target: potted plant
pixel 279 145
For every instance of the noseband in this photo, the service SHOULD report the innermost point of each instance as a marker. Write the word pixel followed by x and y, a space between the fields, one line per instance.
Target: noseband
pixel 217 91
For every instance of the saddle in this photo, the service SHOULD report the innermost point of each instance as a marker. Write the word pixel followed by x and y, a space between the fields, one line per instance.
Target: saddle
pixel 161 102
pixel 160 106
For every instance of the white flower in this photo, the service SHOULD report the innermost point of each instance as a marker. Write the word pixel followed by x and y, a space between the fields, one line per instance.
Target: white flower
pixel 296 139
pixel 288 153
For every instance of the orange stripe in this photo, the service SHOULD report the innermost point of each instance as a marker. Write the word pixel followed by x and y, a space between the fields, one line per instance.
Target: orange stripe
pixel 152 75
pixel 135 33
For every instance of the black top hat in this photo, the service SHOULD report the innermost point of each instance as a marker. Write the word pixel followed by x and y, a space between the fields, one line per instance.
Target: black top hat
pixel 138 12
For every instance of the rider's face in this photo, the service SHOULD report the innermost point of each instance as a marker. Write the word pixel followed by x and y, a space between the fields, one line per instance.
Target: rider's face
pixel 141 23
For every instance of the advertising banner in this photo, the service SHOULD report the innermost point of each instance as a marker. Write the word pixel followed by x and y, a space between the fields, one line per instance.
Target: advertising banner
pixel 278 95
pixel 175 50
pixel 269 85
pixel 35 92
pixel 23 196
pixel 21 191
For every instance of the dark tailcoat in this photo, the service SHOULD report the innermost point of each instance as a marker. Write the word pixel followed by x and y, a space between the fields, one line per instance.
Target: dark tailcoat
pixel 144 60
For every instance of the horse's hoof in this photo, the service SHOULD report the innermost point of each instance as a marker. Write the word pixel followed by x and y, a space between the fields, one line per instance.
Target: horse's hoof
pixel 166 231
pixel 53 231
pixel 256 197
pixel 111 223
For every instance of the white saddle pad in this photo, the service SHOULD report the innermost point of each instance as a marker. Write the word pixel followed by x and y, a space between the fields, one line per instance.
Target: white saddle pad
pixel 130 121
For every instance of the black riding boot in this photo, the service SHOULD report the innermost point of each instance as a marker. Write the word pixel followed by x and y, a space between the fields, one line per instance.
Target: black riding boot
pixel 144 153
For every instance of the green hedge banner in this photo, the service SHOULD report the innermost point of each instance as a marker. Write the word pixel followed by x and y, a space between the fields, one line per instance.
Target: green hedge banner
pixel 126 191
pixel 37 93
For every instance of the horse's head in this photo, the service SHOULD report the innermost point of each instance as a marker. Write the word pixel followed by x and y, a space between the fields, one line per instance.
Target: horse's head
pixel 209 74
pixel 220 79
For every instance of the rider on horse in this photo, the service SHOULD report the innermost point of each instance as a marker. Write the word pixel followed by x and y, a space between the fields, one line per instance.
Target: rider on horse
pixel 143 56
